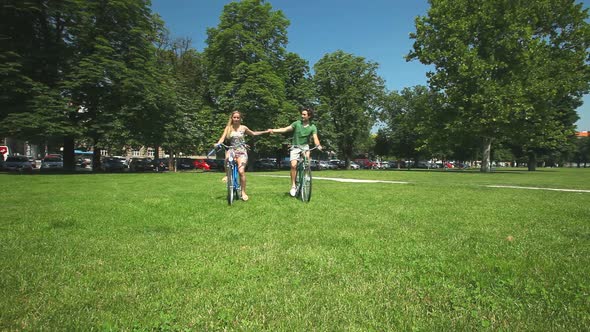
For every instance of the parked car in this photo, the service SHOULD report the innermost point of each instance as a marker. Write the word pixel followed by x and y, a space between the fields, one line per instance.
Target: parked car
pixel 52 163
pixel 285 163
pixel 324 164
pixel 393 164
pixel 354 165
pixel 426 164
pixel 113 164
pixel 185 163
pixel 160 164
pixel 201 164
pixel 141 165
pixel 315 165
pixel 32 161
pixel 336 164
pixel 365 163
pixel 83 162
pixel 18 163
pixel 462 165
pixel 216 164
pixel 265 164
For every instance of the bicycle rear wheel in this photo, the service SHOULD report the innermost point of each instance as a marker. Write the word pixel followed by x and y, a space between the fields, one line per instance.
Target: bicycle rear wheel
pixel 298 179
pixel 305 179
pixel 230 184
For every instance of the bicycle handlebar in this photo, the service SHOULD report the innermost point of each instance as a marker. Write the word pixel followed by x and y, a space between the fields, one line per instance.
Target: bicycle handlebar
pixel 297 146
pixel 227 147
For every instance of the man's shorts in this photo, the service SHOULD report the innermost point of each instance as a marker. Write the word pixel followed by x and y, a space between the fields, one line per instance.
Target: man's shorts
pixel 296 151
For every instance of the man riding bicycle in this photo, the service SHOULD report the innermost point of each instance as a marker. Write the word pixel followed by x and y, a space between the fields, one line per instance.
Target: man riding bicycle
pixel 302 130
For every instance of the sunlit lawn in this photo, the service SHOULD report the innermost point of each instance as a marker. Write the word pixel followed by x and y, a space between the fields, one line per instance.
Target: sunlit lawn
pixel 166 252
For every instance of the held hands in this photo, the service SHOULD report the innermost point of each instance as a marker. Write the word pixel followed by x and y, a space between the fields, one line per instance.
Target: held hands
pixel 271 131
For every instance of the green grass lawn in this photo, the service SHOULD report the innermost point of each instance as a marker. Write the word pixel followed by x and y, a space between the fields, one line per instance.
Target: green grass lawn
pixel 166 252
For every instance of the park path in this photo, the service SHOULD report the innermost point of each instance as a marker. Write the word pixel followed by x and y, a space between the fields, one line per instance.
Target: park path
pixel 404 182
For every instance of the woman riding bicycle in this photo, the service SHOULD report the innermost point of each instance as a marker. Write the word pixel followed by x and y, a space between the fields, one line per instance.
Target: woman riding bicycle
pixel 234 132
pixel 302 130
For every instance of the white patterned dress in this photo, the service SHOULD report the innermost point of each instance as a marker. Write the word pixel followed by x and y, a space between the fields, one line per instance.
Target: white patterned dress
pixel 236 138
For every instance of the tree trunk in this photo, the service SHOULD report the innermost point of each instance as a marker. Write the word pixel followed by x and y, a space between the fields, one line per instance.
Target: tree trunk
pixel 532 164
pixel 172 161
pixel 68 155
pixel 96 158
pixel 486 165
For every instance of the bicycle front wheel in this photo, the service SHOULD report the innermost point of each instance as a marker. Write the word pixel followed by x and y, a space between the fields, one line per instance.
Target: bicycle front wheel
pixel 230 184
pixel 305 190
pixel 237 187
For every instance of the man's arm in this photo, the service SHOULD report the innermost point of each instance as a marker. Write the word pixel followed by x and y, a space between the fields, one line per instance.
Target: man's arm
pixel 316 141
pixel 281 130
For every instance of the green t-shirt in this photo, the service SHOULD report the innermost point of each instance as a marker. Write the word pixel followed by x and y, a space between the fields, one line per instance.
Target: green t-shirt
pixel 301 134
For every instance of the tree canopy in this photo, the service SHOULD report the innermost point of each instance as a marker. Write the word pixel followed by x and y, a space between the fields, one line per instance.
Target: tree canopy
pixel 107 73
pixel 350 93
pixel 497 63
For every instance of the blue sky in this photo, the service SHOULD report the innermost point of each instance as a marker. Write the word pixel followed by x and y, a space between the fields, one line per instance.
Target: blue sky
pixel 377 30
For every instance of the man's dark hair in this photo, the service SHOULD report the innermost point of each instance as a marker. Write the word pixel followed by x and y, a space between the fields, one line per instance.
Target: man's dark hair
pixel 309 112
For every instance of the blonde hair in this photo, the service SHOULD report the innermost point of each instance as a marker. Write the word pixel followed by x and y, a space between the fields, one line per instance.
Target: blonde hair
pixel 227 129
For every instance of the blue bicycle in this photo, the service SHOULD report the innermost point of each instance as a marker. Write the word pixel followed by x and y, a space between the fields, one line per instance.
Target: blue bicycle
pixel 234 188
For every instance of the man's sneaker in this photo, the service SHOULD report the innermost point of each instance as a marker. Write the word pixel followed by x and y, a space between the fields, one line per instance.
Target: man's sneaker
pixel 293 191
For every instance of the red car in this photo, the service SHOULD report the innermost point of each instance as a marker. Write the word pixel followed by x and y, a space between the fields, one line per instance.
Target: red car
pixel 201 164
pixel 365 163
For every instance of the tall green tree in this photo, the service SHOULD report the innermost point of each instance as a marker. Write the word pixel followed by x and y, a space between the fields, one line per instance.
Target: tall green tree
pixel 299 93
pixel 112 68
pixel 245 55
pixel 581 153
pixel 496 61
pixel 299 87
pixel 350 94
pixel 34 53
pixel 75 68
pixel 184 121
pixel 410 123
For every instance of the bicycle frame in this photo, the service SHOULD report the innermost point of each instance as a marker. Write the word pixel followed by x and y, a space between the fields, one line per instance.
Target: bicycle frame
pixel 303 176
